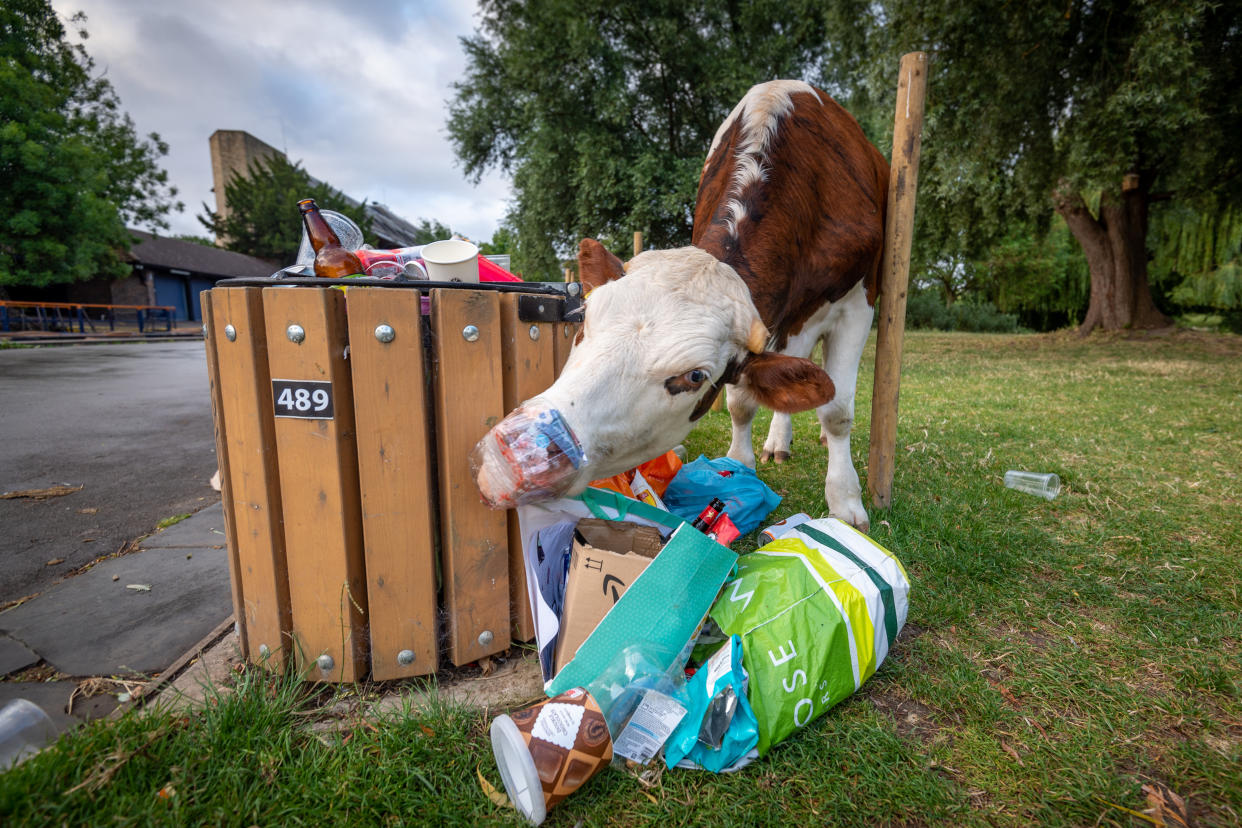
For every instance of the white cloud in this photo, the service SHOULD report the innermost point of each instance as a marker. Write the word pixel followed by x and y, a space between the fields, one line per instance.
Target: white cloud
pixel 356 91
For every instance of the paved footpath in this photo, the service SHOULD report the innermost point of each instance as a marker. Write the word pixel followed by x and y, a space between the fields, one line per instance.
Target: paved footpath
pixel 134 615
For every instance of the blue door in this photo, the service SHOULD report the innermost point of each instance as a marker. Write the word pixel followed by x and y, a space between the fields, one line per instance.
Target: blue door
pixel 197 286
pixel 170 290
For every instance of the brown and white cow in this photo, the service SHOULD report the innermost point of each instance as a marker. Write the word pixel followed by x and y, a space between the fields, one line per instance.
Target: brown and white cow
pixel 788 228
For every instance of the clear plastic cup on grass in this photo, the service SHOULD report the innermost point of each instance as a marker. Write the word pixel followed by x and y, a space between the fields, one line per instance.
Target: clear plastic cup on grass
pixel 1045 485
pixel 24 730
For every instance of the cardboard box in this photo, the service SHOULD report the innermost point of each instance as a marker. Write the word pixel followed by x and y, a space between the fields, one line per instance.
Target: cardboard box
pixel 607 557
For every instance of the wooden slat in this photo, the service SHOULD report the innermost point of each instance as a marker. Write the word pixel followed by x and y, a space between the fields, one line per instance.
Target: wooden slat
pixel 564 336
pixel 249 464
pixel 394 470
pixel 474 544
pixel 529 368
pixel 222 464
pixel 319 487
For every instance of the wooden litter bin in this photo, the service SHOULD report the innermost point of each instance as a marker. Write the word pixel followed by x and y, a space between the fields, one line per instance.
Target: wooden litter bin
pixel 357 541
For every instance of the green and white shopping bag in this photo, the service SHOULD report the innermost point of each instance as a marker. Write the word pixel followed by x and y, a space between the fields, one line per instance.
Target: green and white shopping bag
pixel 817 610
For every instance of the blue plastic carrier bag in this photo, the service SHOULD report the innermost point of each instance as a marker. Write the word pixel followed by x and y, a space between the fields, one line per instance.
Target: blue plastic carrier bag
pixel 748 500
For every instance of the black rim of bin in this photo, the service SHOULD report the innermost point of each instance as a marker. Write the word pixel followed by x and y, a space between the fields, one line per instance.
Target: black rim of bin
pixel 560 289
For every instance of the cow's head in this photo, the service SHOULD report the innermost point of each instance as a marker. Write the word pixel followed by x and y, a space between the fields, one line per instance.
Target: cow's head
pixel 661 337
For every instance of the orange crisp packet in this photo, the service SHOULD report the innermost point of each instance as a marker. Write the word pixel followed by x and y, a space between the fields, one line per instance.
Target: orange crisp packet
pixel 658 472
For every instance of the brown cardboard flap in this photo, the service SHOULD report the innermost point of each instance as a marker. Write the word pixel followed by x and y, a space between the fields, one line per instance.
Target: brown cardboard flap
pixel 621 537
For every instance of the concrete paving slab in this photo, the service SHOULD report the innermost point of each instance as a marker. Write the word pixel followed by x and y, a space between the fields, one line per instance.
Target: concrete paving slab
pixel 53 697
pixel 204 529
pixel 211 672
pixel 92 625
pixel 14 656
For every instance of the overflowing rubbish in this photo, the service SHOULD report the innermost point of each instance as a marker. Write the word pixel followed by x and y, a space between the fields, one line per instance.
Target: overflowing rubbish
pixel 332 247
pixel 689 654
pixel 1047 486
pixel 747 499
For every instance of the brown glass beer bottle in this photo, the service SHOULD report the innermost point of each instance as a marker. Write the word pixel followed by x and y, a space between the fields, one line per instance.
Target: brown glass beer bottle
pixel 332 261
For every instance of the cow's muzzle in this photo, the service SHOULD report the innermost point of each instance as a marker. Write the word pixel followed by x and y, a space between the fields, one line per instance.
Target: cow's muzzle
pixel 529 456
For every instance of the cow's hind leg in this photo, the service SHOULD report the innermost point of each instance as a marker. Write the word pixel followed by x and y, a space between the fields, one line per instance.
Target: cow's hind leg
pixel 844 349
pixel 779 444
pixel 780 435
pixel 742 405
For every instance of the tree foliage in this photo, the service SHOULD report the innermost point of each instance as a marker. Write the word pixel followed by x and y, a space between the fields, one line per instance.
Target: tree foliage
pixel 603 112
pixel 263 218
pixel 1072 105
pixel 74 170
pixel 428 230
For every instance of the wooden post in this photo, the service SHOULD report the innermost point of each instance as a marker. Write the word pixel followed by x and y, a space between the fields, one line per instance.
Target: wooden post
pixel 895 275
pixel 638 242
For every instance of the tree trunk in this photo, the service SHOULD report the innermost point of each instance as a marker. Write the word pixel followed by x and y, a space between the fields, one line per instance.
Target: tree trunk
pixel 1115 244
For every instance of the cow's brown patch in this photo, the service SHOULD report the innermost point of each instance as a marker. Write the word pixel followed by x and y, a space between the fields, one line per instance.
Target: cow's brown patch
pixel 813 228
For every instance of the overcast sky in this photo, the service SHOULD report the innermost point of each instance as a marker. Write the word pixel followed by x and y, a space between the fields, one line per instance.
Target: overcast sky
pixel 354 90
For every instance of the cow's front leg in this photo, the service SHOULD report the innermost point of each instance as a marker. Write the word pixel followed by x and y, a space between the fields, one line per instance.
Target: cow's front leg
pixel 742 407
pixel 780 436
pixel 844 347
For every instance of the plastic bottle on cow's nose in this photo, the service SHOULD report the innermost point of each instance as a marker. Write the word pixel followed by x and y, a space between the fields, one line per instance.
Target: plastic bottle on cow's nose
pixel 530 455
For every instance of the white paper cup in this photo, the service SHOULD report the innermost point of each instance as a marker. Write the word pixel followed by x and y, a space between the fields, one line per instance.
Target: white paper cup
pixel 452 260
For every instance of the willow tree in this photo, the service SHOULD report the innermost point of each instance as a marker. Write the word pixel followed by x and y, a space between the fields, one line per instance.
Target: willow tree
pixel 1094 110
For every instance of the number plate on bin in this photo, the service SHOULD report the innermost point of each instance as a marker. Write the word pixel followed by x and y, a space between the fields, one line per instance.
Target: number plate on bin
pixel 306 399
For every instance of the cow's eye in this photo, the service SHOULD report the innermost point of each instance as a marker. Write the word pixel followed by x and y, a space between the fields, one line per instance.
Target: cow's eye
pixel 689 381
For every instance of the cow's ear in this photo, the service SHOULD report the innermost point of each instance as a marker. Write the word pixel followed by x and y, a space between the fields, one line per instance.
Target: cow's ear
pixel 596 265
pixel 787 384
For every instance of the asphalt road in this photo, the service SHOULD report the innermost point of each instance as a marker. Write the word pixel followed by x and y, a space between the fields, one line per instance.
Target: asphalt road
pixel 130 423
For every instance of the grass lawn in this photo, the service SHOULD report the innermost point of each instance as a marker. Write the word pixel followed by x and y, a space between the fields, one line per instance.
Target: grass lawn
pixel 1059 656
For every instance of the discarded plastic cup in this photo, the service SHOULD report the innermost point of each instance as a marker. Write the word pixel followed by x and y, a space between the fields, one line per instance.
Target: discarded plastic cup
pixel 24 730
pixel 1039 484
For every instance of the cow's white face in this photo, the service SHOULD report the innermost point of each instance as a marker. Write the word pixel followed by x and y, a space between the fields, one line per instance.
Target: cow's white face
pixel 654 344
pixel 654 347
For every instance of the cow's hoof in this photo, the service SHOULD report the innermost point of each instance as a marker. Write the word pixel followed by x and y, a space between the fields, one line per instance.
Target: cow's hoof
pixel 854 516
pixel 765 456
pixel 781 457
